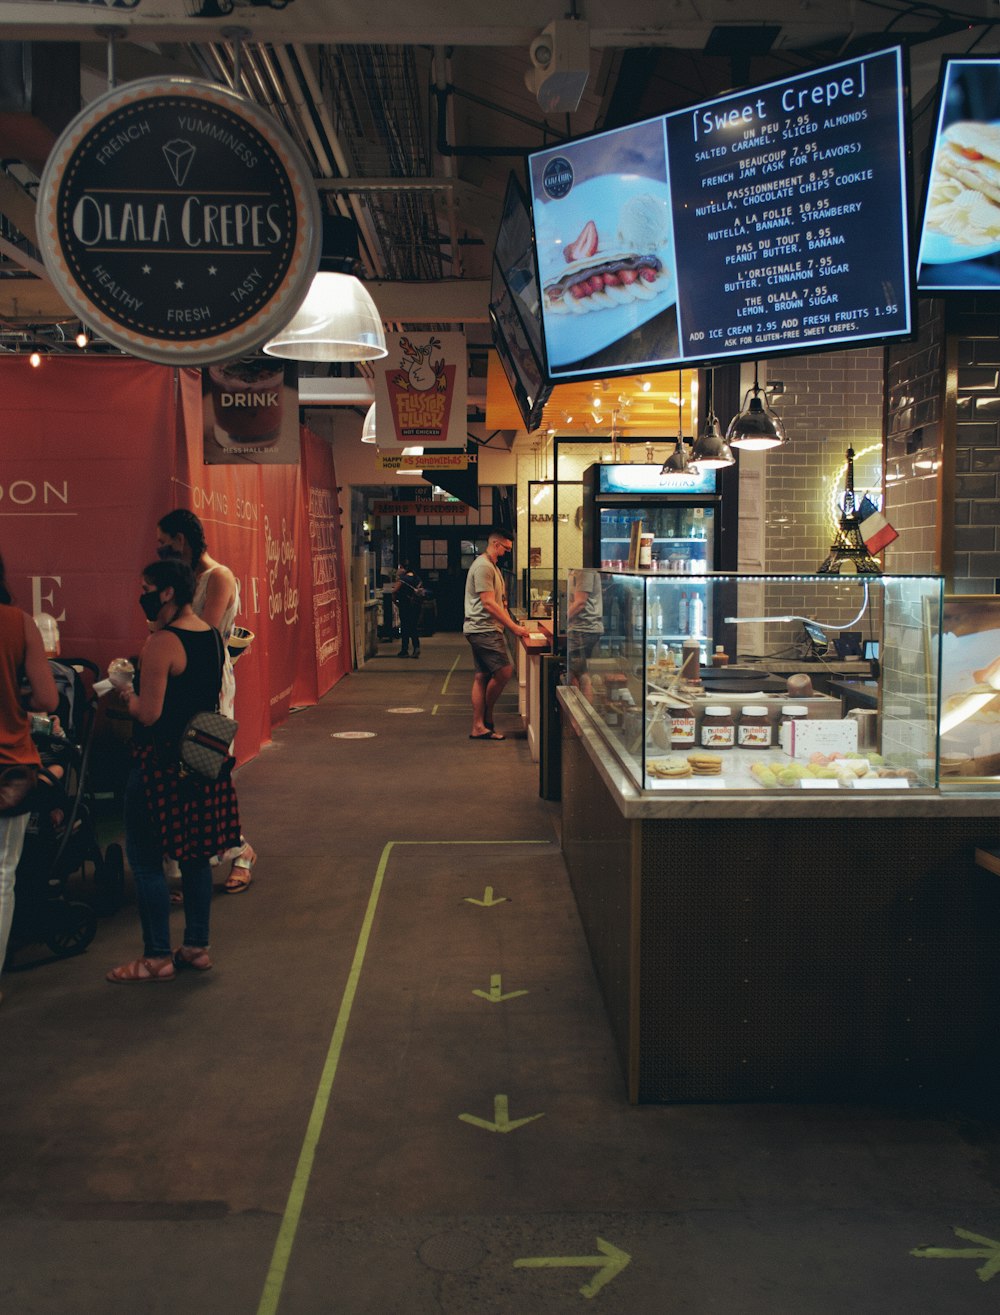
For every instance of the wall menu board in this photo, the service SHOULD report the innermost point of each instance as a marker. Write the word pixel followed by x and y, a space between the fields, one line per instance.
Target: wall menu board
pixel 960 233
pixel 771 220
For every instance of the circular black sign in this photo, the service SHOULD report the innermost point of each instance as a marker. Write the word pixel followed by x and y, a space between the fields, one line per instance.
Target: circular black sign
pixel 558 177
pixel 179 221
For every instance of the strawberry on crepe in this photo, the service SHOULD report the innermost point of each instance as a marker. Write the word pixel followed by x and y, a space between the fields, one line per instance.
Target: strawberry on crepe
pixel 597 277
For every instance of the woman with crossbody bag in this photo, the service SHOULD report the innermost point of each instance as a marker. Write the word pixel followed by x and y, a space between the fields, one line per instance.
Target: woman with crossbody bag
pixel 169 811
pixel 22 660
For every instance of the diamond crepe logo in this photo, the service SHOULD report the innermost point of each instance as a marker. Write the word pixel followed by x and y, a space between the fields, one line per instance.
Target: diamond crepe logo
pixel 179 221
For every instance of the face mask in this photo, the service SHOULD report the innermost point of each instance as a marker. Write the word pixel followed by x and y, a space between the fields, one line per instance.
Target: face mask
pixel 167 553
pixel 150 604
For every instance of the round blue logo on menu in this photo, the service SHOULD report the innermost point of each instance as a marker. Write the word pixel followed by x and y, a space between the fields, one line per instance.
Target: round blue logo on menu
pixel 558 177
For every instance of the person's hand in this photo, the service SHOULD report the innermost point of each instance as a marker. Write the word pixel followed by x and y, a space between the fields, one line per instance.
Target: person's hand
pixel 523 632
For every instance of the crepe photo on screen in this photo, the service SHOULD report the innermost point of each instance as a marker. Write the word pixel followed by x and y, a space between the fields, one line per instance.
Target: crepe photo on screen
pixel 964 202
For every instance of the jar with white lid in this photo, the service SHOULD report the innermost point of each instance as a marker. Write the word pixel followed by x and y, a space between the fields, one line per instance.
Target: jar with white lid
pixel 754 730
pixel 718 730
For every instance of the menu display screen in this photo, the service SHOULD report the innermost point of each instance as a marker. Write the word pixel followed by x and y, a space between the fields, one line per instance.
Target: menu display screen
pixel 517 356
pixel 770 220
pixel 514 310
pixel 960 233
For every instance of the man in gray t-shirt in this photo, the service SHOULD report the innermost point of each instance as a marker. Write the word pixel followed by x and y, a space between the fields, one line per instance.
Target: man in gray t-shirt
pixel 486 618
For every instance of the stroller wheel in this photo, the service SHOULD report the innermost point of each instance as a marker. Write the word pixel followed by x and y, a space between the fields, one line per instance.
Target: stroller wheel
pixel 71 927
pixel 109 880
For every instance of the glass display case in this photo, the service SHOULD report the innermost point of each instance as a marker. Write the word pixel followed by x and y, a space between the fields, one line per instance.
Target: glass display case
pixel 680 717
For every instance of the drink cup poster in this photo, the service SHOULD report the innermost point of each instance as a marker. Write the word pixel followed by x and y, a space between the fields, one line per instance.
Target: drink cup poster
pixel 421 390
pixel 250 411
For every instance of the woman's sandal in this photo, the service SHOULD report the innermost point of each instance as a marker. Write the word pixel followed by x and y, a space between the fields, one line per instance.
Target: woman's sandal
pixel 143 970
pixel 192 956
pixel 241 873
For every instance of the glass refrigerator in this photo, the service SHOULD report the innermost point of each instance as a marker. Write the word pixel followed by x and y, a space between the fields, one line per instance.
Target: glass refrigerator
pixel 683 518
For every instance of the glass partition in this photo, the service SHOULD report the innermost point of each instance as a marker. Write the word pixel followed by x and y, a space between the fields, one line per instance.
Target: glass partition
pixel 787 701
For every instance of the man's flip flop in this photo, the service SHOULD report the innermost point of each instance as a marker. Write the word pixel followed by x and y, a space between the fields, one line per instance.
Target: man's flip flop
pixel 488 735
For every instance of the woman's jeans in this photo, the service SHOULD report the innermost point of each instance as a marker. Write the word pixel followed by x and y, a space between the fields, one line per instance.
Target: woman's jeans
pixel 145 858
pixel 409 619
pixel 12 831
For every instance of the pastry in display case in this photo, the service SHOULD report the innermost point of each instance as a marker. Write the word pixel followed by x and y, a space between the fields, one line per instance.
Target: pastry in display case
pixel 680 716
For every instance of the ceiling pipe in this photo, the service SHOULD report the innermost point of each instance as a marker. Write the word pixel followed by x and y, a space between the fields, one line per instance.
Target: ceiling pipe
pixel 442 95
pixel 361 217
pixel 441 80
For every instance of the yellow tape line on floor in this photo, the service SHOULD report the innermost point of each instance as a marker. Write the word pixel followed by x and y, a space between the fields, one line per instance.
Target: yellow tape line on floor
pixel 281 1256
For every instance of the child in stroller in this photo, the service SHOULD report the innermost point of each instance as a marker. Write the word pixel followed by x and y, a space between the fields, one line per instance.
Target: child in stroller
pixel 61 838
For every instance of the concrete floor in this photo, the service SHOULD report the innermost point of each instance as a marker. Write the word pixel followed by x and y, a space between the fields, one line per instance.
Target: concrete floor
pixel 398 1094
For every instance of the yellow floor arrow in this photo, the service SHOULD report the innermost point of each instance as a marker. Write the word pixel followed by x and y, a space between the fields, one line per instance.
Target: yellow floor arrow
pixel 488 900
pixel 495 994
pixel 611 1262
pixel 988 1250
pixel 501 1120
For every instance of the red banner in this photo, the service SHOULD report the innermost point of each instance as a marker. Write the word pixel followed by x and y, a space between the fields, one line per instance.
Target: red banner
pixel 95 452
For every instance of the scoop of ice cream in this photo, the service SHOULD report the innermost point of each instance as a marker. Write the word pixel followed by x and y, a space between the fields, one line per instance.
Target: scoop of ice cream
pixel 643 223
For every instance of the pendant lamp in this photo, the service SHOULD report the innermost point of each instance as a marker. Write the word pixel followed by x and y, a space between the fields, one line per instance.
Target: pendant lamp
pixel 368 428
pixel 711 451
pixel 756 428
pixel 678 463
pixel 338 321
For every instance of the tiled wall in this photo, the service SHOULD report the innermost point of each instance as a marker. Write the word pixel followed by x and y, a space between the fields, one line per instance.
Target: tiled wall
pixel 976 541
pixel 915 391
pixel 831 401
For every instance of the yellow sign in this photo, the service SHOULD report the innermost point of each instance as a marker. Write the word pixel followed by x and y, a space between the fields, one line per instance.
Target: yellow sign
pixel 423 507
pixel 496 994
pixel 502 1122
pixel 987 1249
pixel 488 899
pixel 609 1263
pixel 442 461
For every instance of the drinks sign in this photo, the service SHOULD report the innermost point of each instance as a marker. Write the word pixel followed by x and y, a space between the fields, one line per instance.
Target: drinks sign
pixel 179 221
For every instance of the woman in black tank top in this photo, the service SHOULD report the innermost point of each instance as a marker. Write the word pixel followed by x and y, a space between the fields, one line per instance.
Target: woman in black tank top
pixel 168 813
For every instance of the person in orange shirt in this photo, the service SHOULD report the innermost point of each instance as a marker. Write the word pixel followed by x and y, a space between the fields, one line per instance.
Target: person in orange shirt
pixel 21 656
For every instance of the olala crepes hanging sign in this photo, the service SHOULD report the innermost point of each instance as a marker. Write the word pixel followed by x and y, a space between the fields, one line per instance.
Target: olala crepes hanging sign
pixel 179 221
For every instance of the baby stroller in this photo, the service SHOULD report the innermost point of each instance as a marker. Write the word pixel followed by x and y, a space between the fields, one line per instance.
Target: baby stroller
pixel 61 838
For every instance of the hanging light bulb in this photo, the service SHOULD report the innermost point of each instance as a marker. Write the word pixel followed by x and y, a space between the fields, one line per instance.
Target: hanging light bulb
pixel 756 427
pixel 82 340
pixel 368 428
pixel 678 462
pixel 711 451
pixel 35 359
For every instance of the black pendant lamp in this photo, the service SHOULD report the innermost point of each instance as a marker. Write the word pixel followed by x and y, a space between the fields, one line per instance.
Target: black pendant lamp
pixel 756 428
pixel 678 463
pixel 711 451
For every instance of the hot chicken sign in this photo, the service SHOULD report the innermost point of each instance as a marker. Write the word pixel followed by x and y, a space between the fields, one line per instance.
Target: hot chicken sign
pixel 179 221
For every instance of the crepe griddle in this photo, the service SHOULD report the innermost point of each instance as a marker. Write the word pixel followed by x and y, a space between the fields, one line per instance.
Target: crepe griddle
pixel 741 680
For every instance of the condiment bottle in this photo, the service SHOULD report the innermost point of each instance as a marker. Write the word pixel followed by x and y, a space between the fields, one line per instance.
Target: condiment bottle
pixel 754 730
pixel 718 730
pixel 720 657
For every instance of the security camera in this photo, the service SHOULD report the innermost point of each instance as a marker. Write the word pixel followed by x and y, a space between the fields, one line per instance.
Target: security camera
pixel 560 65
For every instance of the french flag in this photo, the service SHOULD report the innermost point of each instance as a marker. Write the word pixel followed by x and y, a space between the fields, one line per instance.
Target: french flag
pixel 877 532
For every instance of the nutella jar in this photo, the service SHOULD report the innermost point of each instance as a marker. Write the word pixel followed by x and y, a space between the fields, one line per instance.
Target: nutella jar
pixel 718 730
pixel 754 730
pixel 682 729
pixel 794 712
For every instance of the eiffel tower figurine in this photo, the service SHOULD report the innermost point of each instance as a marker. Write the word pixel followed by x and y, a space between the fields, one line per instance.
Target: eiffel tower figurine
pixel 848 554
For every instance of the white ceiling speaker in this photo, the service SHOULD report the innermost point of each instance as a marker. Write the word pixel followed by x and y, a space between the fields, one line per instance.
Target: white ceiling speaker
pixel 560 65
